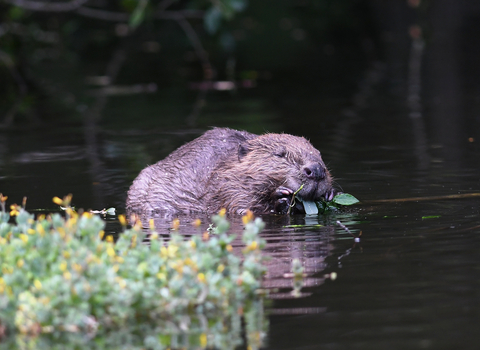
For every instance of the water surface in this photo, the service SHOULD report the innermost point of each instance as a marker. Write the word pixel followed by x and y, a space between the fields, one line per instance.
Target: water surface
pixel 412 280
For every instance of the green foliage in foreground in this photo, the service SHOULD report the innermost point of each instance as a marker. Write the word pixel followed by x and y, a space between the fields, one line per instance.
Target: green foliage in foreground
pixel 60 275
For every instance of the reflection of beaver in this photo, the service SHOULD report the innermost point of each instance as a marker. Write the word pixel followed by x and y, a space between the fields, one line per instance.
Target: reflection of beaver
pixel 235 170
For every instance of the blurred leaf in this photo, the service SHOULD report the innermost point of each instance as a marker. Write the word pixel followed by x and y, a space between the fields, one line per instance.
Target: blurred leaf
pixel 237 5
pixel 212 19
pixel 129 5
pixel 16 13
pixel 138 14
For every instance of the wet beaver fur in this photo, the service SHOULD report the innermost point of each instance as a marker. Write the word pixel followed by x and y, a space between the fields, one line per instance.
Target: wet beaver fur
pixel 232 169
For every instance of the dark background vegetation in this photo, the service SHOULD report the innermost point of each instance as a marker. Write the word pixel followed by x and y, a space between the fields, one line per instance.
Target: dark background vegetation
pixel 111 76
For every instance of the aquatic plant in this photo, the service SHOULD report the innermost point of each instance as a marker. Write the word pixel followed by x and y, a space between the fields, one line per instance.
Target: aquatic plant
pixel 60 274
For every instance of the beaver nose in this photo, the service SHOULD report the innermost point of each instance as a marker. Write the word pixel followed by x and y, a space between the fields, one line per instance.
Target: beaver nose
pixel 314 171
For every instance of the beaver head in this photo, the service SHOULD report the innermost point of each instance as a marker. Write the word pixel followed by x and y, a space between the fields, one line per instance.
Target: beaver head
pixel 267 171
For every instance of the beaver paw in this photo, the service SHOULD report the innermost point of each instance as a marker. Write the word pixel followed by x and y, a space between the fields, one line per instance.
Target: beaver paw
pixel 330 194
pixel 283 199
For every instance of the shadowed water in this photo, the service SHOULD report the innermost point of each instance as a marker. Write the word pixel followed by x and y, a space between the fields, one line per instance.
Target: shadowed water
pixel 410 281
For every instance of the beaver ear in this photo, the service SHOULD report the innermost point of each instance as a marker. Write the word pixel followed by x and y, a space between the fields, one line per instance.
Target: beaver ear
pixel 242 150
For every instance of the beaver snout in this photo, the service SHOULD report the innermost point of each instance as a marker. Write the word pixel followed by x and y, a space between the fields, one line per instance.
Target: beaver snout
pixel 314 171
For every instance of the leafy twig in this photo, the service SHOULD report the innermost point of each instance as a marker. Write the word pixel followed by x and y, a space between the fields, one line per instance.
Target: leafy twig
pixel 292 202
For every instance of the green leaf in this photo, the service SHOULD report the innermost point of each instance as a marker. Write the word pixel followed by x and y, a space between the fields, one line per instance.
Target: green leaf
pixel 344 199
pixel 310 207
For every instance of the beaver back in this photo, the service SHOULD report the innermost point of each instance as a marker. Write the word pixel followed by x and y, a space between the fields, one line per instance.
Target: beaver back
pixel 177 183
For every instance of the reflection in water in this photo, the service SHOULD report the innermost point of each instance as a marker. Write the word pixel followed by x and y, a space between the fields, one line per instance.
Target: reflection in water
pixel 306 238
pixel 414 102
pixel 246 328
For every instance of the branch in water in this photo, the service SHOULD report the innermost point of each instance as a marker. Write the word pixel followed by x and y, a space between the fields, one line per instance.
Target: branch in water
pixel 417 199
pixel 47 6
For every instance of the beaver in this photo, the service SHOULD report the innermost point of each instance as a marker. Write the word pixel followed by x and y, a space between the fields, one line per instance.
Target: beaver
pixel 235 170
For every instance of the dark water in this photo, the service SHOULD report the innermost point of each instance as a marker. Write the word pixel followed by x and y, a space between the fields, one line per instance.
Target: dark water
pixel 413 279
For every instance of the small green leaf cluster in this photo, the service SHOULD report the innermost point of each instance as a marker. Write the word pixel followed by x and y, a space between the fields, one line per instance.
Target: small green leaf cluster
pixel 341 199
pixel 59 273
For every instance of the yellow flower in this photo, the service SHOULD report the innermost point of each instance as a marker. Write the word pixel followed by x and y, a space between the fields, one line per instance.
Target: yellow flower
pixel 220 268
pixel 67 275
pixel 101 234
pixel 201 277
pixel 71 222
pixel 248 217
pixel 23 237
pixel 222 212
pixel 175 224
pixel 122 220
pixel 154 236
pixel 229 248
pixel 37 284
pixel 14 210
pixel 20 263
pixel 119 259
pixel 77 267
pixel 172 250
pixel 152 224
pixel 109 239
pixel 121 282
pixel 197 222
pixel 40 230
pixel 61 232
pixel 161 276
pixel 57 201
pixel 66 254
pixel 253 245
pixel 193 244
pixel 111 251
pixel 203 340
pixel 63 266
pixel 179 268
pixel 163 252
pixel 31 231
pixel 87 215
pixel 205 236
pixel 3 241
